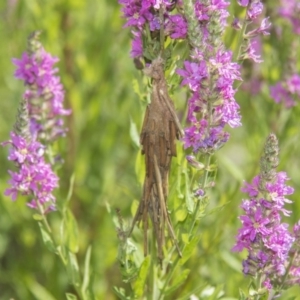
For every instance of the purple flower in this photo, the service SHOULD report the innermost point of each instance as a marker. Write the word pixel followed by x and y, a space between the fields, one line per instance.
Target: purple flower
pixel 243 2
pixel 176 27
pixel 137 13
pixel 137 45
pixel 226 68
pixel 250 52
pixel 286 91
pixel 262 29
pixel 201 11
pixel 204 12
pixel 255 9
pixel 193 74
pixel 230 113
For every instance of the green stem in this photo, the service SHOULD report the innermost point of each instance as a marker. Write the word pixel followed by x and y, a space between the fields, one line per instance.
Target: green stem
pixel 288 270
pixel 161 31
pixel 152 282
pixel 203 185
pixel 58 249
pixel 241 36
pixel 194 217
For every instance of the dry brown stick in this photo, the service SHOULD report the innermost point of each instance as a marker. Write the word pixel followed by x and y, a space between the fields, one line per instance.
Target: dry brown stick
pixel 163 206
pixel 160 130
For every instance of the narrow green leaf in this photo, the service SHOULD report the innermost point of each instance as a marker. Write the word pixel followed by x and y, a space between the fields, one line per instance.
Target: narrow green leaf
pixel 37 217
pixel 136 88
pixel 188 250
pixel 179 280
pixel 120 293
pixel 242 295
pixel 47 238
pixel 185 238
pixel 140 167
pixel 86 274
pixel 139 284
pixel 70 192
pixel 217 208
pixel 217 293
pixel 71 296
pixel 134 134
pixel 38 291
pixel 134 206
pixel 188 197
pixel 195 291
pixel 71 231
pixel 73 269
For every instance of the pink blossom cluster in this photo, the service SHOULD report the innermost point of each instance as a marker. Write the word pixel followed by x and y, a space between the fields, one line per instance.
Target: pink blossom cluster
pixel 34 177
pixel 290 9
pixel 44 93
pixel 143 15
pixel 287 91
pixel 210 74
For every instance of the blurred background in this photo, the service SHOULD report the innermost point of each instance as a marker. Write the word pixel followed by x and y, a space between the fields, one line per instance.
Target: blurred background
pixel 101 85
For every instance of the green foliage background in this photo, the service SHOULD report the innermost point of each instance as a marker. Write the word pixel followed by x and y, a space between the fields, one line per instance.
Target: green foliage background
pixel 99 79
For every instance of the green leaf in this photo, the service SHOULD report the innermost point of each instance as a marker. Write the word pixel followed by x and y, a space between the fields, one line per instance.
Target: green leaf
pixel 120 292
pixel 136 88
pixel 217 208
pixel 242 295
pixel 71 231
pixel 195 291
pixel 134 134
pixel 185 238
pixel 73 269
pixel 37 217
pixel 232 168
pixel 86 274
pixel 47 239
pixel 179 280
pixel 188 197
pixel 140 167
pixel 231 260
pixel 71 188
pixel 188 250
pixel 71 296
pixel 38 291
pixel 218 292
pixel 139 284
pixel 181 214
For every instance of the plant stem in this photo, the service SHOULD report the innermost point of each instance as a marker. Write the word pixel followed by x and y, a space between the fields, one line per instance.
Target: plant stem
pixel 241 36
pixel 194 219
pixel 58 249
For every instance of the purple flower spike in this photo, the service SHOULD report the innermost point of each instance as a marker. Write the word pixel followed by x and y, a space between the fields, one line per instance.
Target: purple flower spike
pixel 269 242
pixel 34 176
pixel 44 93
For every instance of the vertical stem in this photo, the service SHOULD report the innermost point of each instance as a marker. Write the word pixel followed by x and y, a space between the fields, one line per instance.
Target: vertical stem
pixel 58 250
pixel 241 36
pixel 203 184
pixel 161 31
pixel 194 219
